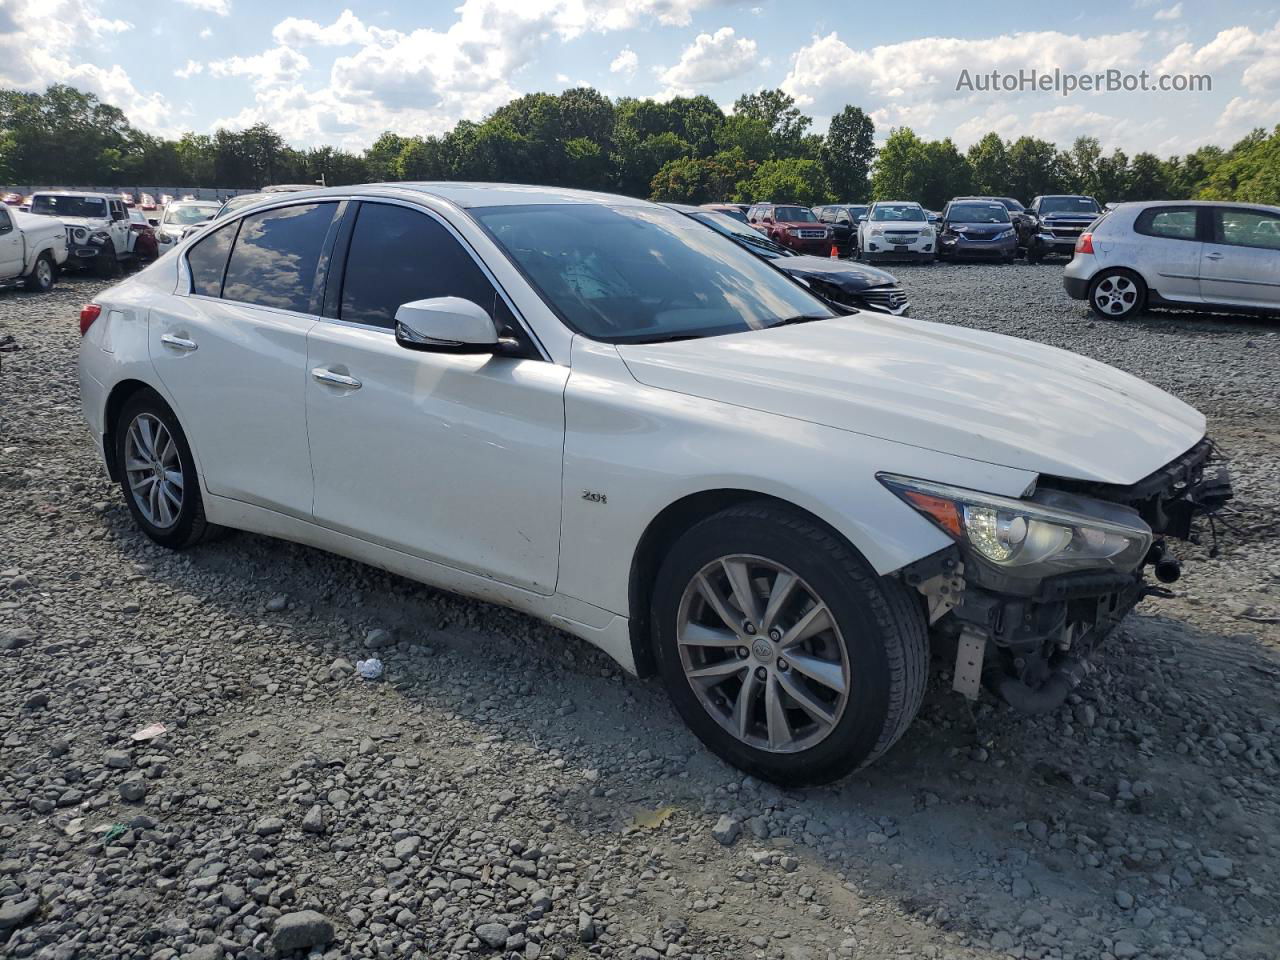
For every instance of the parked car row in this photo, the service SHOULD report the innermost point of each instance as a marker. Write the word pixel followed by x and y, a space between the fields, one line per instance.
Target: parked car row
pixel 597 411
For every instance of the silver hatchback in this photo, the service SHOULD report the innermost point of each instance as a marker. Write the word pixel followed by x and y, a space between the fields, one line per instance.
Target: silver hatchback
pixel 1197 254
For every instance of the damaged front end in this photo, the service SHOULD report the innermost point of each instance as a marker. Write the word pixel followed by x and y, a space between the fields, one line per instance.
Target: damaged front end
pixel 1033 585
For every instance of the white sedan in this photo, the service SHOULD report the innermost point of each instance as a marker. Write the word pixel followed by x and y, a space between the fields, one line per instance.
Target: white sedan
pixel 598 411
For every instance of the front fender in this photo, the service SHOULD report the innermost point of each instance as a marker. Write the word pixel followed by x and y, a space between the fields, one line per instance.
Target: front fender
pixel 633 450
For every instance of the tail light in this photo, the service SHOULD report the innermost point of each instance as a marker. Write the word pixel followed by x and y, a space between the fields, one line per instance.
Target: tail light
pixel 1085 243
pixel 88 313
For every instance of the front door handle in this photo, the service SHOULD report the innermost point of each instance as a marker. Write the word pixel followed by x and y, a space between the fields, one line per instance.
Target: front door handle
pixel 1213 256
pixel 178 343
pixel 335 379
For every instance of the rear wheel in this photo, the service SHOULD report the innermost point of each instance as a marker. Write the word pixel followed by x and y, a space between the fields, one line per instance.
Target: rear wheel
pixel 157 473
pixel 40 279
pixel 782 649
pixel 1117 294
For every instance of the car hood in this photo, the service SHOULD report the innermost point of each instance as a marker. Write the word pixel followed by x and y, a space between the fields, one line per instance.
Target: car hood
pixel 841 273
pixel 947 388
pixel 92 223
pixel 979 229
pixel 802 224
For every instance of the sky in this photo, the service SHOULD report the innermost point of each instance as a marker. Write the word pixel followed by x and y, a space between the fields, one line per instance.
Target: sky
pixel 341 73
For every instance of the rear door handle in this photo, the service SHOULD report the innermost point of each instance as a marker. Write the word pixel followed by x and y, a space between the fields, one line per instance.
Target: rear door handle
pixel 1213 256
pixel 335 379
pixel 178 343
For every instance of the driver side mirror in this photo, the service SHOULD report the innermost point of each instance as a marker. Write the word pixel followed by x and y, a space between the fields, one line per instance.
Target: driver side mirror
pixel 446 325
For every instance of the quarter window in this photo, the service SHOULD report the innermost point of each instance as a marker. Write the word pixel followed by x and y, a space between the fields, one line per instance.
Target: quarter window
pixel 207 261
pixel 1174 223
pixel 1247 228
pixel 399 255
pixel 275 257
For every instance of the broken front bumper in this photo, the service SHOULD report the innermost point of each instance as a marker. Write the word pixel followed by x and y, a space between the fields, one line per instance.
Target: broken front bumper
pixel 1031 642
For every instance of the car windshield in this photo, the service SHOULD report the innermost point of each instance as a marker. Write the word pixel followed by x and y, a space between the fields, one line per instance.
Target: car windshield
pixel 733 214
pixel 57 205
pixel 902 212
pixel 723 223
pixel 1013 206
pixel 978 213
pixel 235 203
pixel 185 213
pixel 630 273
pixel 794 215
pixel 1068 205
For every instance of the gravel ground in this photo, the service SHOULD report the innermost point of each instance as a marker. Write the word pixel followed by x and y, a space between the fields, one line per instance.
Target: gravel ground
pixel 504 790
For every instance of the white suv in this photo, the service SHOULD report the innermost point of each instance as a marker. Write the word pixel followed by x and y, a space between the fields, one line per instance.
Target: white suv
pixel 596 410
pixel 1180 253
pixel 896 230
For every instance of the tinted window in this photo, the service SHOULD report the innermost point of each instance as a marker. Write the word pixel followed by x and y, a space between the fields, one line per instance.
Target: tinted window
pixel 207 261
pixel 1068 205
pixel 898 212
pixel 4 221
pixel 399 255
pixel 794 215
pixel 1176 223
pixel 275 256
pixel 977 213
pixel 1247 228
pixel 55 205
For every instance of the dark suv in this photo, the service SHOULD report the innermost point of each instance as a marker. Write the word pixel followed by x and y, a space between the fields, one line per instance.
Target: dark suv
pixel 792 226
pixel 1053 224
pixel 843 219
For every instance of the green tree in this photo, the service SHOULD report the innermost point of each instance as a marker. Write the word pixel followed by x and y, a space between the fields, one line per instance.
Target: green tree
pixel 899 166
pixel 788 180
pixel 1080 168
pixel 989 167
pixel 1034 168
pixel 422 159
pixel 700 179
pixel 382 156
pixel 945 174
pixel 847 153
pixel 1146 178
pixel 1112 180
pixel 777 110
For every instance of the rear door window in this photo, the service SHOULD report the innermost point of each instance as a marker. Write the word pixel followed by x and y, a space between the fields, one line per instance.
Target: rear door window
pixel 5 225
pixel 1173 223
pixel 275 257
pixel 398 255
pixel 207 261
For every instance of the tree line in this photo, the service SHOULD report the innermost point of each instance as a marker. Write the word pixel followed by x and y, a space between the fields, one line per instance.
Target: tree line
pixel 685 149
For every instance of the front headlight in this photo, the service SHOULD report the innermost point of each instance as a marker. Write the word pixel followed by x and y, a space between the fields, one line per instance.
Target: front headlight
pixel 1053 533
pixel 1004 234
pixel 877 231
pixel 79 234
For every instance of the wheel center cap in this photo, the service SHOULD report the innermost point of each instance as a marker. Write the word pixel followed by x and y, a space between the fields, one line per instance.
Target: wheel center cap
pixel 763 650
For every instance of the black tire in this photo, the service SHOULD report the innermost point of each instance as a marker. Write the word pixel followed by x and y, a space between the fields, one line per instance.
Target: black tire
pixel 880 624
pixel 41 278
pixel 1117 294
pixel 107 266
pixel 190 525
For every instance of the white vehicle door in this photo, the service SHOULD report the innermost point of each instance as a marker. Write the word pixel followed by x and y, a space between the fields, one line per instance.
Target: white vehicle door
pixel 1242 263
pixel 119 227
pixel 11 247
pixel 233 351
pixel 1169 250
pixel 455 458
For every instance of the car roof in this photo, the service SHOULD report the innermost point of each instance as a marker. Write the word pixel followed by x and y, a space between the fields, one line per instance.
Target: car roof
pixel 914 203
pixel 75 193
pixel 466 194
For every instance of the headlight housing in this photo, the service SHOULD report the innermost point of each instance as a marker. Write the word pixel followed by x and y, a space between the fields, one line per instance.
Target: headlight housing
pixel 877 231
pixel 98 239
pixel 1050 534
pixel 1004 234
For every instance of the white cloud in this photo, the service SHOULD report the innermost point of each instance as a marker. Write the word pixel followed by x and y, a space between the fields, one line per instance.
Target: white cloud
pixel 220 7
pixel 1170 13
pixel 625 62
pixel 206 33
pixel 271 68
pixel 190 70
pixel 346 30
pixel 711 58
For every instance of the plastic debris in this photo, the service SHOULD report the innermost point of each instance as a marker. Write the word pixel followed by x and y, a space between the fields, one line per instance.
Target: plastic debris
pixel 370 669
pixel 116 831
pixel 149 733
pixel 652 819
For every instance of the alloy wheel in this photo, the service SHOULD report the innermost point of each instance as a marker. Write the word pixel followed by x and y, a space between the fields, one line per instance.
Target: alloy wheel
pixel 1115 295
pixel 44 273
pixel 153 467
pixel 763 654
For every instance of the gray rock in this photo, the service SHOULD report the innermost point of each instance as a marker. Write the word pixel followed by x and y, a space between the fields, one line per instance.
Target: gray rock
pixel 301 930
pixel 586 928
pixel 277 603
pixel 117 760
pixel 378 639
pixel 15 913
pixel 727 830
pixel 1220 868
pixel 133 790
pixel 407 847
pixel 493 935
pixel 314 821
pixel 1124 949
pixel 268 826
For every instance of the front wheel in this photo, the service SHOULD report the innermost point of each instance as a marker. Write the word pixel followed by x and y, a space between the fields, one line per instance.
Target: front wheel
pixel 41 278
pixel 782 649
pixel 1116 294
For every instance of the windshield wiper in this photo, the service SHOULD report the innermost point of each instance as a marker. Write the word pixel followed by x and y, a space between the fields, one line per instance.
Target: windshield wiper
pixel 789 321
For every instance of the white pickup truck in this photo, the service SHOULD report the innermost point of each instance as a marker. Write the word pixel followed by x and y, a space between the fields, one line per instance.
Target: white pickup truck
pixel 31 249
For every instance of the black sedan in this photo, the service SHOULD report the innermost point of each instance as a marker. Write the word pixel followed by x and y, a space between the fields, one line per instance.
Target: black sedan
pixel 847 284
